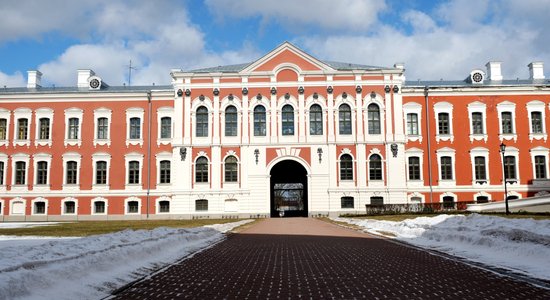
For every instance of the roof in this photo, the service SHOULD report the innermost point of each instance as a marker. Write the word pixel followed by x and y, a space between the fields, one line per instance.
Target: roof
pixel 486 83
pixel 342 66
pixel 109 89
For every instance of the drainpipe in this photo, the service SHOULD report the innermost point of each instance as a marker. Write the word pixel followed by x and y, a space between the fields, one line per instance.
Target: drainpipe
pixel 148 150
pixel 429 136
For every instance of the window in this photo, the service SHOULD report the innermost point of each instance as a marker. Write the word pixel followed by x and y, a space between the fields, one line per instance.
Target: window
pixel 69 207
pixel 231 168
pixel 101 172
pixel 446 168
pixel 165 127
pixel 259 121
pixel 22 129
pixel 344 119
pixel 201 169
pixel 443 123
pixel 39 208
pixel 2 172
pixel 201 205
pixel 346 167
pixel 346 202
pixel 71 172
pixel 44 130
pixel 164 206
pixel 480 168
pixel 73 129
pixel 448 202
pixel 3 129
pixel 373 118
pixel 377 200
pixel 164 171
pixel 99 207
pixel 287 117
pixel 412 124
pixel 102 128
pixel 315 120
pixel 482 199
pixel 133 172
pixel 507 124
pixel 536 122
pixel 231 121
pixel 133 207
pixel 202 122
pixel 414 168
pixel 375 167
pixel 477 123
pixel 42 172
pixel 20 172
pixel 510 167
pixel 135 128
pixel 540 167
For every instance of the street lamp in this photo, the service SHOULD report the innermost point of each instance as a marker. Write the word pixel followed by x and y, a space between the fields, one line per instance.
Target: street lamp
pixel 502 150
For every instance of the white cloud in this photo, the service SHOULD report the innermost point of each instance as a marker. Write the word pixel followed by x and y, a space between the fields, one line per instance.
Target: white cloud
pixel 15 80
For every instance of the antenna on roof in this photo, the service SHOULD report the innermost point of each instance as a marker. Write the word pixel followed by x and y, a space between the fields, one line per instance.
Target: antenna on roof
pixel 130 68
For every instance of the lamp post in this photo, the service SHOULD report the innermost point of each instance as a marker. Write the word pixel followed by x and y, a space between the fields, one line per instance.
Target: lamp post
pixel 502 150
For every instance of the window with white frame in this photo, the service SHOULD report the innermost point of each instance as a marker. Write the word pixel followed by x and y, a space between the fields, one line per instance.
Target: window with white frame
pixel 507 125
pixel 231 169
pixel 315 120
pixel 42 163
pixel 346 167
pixel 101 164
pixel 413 116
pixel 287 120
pixel 164 120
pixel 164 168
pixel 134 125
pixel 73 121
pixel 375 167
pixel 373 119
pixel 22 117
pixel 477 111
pixel 347 202
pixel 446 159
pixel 133 205
pixel 539 158
pixel 69 206
pixel 101 172
pixel 201 118
pixel 40 206
pixel 537 123
pixel 259 120
pixel 3 166
pixel 102 126
pixel 71 165
pixel 479 158
pixel 43 129
pixel 134 164
pixel 163 205
pixel 344 119
pixel 99 206
pixel 20 165
pixel 444 121
pixel 231 121
pixel 201 205
pixel 414 166
pixel 4 126
pixel 201 169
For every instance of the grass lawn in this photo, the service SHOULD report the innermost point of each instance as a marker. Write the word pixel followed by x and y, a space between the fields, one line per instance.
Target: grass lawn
pixel 86 228
pixel 398 218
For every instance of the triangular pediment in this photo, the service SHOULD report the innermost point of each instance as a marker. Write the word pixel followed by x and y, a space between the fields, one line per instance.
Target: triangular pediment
pixel 287 55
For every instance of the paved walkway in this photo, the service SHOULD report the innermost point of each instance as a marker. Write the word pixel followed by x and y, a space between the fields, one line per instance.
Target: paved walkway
pixel 304 258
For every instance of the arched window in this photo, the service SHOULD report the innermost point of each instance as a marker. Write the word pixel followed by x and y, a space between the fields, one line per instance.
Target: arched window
pixel 259 121
pixel 201 169
pixel 202 122
pixel 165 127
pixel 133 172
pixel 344 119
pixel 231 121
pixel 287 117
pixel 346 167
pixel 231 167
pixel 164 171
pixel 373 118
pixel 375 167
pixel 315 120
pixel 71 172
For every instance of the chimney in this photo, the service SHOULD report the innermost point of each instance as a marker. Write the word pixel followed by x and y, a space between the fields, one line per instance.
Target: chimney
pixel 83 75
pixel 536 70
pixel 34 79
pixel 400 66
pixel 493 70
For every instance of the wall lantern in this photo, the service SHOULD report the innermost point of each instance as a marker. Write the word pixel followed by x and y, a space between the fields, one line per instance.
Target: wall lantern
pixel 301 90
pixel 287 96
pixel 393 148
pixel 259 97
pixel 315 95
pixel 395 89
pixel 387 89
pixel 183 153
pixel 216 92
pixel 273 91
pixel 230 97
pixel 320 152
pixel 358 89
pixel 330 90
pixel 180 93
pixel 372 94
pixel 245 91
pixel 256 154
pixel 187 92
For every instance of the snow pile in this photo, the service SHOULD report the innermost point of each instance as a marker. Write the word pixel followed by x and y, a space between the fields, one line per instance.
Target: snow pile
pixel 91 267
pixel 521 245
pixel 11 225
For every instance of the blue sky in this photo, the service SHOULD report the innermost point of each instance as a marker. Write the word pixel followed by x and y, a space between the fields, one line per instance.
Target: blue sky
pixel 435 39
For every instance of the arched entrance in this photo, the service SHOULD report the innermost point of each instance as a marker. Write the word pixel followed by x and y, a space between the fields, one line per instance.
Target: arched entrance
pixel 288 189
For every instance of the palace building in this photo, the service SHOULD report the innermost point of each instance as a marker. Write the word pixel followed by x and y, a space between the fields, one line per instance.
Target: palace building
pixel 286 133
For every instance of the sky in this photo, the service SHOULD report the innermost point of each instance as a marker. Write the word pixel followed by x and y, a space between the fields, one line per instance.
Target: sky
pixel 439 39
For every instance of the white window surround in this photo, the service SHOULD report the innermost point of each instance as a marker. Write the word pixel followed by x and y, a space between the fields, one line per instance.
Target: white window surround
pixel 71 156
pixel 4 159
pixel 413 108
pixel 347 182
pixel 134 112
pixel 162 112
pixel 194 106
pixel 22 113
pixel 482 194
pixel 349 100
pixel 507 106
pixel 2 205
pixel 381 109
pixel 416 195
pixel 483 152
pixel 12 206
pixel 126 205
pixel 478 107
pixel 252 106
pixel 223 107
pixel 514 193
pixel 414 152
pixel 443 107
pixel 102 112
pixel 160 157
pixel 5 114
pixel 319 101
pixel 39 199
pixel 98 199
pixel 512 151
pixel 39 114
pixel 441 153
pixel 14 159
pixel 293 102
pixel 101 156
pixel 73 112
pixel 157 204
pixel 540 151
pixel 376 182
pixel 40 157
pixel 75 206
pixel 134 156
pixel 537 106
pixel 448 194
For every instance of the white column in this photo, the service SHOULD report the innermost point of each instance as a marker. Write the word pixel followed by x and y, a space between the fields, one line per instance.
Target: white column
pixel 330 114
pixel 245 123
pixel 361 165
pixel 301 119
pixel 389 117
pixel 178 119
pixel 398 116
pixel 187 120
pixel 215 167
pixel 274 131
pixel 359 117
pixel 216 121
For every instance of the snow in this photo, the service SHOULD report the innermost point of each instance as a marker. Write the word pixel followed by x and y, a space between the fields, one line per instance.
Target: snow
pixel 520 245
pixel 91 267
pixel 11 225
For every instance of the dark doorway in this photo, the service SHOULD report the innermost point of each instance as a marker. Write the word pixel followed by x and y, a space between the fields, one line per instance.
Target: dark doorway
pixel 288 190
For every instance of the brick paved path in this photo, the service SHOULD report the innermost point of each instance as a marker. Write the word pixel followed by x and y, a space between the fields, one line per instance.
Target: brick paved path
pixel 311 259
